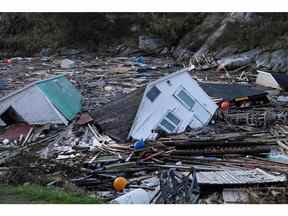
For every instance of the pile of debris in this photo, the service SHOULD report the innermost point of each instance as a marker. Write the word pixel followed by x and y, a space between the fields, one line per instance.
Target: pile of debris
pixel 129 136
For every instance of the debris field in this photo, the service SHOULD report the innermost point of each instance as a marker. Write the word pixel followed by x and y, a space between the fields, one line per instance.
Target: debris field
pixel 235 153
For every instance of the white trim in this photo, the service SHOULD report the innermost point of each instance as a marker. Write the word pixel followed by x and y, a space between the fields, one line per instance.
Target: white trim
pixel 169 76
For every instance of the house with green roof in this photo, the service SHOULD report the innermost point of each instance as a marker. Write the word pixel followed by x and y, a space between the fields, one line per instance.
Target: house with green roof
pixel 53 100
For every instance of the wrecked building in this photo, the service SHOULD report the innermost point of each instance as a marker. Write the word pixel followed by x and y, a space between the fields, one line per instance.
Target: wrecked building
pixel 169 104
pixel 53 100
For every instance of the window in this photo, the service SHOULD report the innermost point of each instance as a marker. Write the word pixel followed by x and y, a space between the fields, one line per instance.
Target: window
pixel 170 122
pixel 167 125
pixel 153 93
pixel 173 118
pixel 184 97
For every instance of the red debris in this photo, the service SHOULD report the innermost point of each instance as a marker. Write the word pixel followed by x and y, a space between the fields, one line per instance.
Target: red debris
pixel 84 118
pixel 14 131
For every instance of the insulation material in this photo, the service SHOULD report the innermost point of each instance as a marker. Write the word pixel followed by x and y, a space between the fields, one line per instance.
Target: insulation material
pixel 267 80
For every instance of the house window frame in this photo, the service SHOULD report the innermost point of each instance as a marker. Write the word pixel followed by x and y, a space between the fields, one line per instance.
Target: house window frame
pixel 158 93
pixel 176 126
pixel 182 101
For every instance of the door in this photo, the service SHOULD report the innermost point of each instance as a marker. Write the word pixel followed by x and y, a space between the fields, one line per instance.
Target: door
pixel 10 116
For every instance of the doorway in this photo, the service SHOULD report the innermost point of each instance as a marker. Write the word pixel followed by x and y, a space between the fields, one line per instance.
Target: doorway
pixel 10 116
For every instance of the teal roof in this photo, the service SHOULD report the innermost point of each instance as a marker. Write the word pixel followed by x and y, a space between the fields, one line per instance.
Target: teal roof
pixel 65 97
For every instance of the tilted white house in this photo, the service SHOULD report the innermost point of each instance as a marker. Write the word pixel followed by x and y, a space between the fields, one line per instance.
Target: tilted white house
pixel 171 104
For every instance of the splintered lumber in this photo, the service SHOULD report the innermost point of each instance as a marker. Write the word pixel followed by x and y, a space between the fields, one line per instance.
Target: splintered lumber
pixel 252 163
pixel 28 136
pixel 8 155
pixel 246 142
pixel 225 150
pixel 283 144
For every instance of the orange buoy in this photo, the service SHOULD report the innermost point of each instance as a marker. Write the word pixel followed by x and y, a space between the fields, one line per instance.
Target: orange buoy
pixel 120 183
pixel 225 105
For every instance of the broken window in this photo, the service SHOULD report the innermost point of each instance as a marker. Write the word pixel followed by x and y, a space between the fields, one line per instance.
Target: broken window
pixel 184 97
pixel 153 93
pixel 170 122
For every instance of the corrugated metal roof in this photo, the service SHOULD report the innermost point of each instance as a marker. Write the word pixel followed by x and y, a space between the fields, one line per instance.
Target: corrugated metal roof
pixel 254 176
pixel 60 91
pixel 65 97
pixel 28 86
pixel 230 91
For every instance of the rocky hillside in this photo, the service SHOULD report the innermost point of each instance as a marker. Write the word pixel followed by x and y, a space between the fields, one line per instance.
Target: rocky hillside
pixel 233 38
pixel 240 38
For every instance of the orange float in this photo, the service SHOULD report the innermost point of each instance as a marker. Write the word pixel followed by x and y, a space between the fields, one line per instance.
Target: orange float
pixel 120 183
pixel 225 105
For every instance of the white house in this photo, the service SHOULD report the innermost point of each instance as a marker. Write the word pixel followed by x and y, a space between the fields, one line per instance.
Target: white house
pixel 171 104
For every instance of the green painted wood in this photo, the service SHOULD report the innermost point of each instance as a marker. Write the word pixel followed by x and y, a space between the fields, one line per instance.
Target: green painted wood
pixel 65 97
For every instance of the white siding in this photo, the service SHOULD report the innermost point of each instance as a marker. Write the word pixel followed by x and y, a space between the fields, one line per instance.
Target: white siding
pixel 151 113
pixel 32 106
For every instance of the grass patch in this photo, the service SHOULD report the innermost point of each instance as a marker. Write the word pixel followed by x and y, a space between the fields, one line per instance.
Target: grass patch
pixel 42 195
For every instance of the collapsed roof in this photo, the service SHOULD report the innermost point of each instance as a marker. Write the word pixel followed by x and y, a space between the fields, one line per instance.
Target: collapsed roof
pixel 116 117
pixel 230 92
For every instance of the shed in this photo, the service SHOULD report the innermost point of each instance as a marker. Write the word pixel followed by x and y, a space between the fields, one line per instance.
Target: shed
pixel 170 104
pixel 53 100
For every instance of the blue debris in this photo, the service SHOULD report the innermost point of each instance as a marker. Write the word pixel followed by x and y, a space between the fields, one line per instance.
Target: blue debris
pixel 279 158
pixel 3 84
pixel 140 144
pixel 140 60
